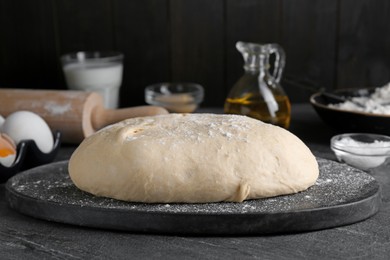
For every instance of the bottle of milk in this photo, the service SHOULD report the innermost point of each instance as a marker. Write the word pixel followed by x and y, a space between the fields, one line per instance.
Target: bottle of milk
pixel 95 71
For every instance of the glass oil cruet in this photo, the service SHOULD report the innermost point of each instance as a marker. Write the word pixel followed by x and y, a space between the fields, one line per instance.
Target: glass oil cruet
pixel 258 92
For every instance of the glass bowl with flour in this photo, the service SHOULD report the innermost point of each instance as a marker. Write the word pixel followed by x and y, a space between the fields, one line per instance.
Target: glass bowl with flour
pixel 176 97
pixel 361 150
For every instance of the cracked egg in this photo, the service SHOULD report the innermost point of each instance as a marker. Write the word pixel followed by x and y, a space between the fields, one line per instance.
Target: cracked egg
pixel 7 150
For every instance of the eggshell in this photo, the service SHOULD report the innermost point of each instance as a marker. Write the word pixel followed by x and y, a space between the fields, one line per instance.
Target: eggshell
pixel 8 160
pixel 7 145
pixel 1 121
pixel 26 125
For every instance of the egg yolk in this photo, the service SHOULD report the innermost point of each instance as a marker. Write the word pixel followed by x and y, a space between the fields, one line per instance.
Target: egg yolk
pixel 4 152
pixel 6 146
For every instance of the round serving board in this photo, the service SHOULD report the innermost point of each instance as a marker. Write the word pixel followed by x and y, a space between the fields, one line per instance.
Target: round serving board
pixel 342 195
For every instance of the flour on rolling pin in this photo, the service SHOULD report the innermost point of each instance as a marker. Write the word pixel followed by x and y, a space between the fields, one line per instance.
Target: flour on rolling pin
pixel 76 114
pixel 56 109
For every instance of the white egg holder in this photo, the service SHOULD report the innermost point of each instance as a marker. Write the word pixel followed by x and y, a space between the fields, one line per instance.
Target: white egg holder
pixel 29 156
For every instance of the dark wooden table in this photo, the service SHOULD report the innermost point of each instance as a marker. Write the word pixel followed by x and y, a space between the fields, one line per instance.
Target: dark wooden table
pixel 22 237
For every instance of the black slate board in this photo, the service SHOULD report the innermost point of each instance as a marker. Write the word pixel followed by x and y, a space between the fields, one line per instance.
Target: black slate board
pixel 342 195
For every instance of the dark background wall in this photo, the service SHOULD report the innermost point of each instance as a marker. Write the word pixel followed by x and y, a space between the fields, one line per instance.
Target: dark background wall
pixel 333 43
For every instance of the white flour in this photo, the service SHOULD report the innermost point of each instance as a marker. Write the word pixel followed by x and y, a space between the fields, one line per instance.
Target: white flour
pixel 360 154
pixel 376 103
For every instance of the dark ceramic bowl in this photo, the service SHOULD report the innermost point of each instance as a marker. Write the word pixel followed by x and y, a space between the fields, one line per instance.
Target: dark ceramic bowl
pixel 349 121
pixel 29 156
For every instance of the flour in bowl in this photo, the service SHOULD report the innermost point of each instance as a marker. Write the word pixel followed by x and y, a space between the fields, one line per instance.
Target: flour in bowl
pixel 376 103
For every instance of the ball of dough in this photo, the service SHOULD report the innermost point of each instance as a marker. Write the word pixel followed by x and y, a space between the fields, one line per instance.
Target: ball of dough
pixel 192 158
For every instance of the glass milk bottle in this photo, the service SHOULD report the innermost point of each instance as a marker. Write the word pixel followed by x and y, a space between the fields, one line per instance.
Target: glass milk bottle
pixel 258 92
pixel 100 72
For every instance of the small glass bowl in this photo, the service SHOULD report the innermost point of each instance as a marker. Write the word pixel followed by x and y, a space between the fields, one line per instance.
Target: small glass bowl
pixel 361 150
pixel 175 97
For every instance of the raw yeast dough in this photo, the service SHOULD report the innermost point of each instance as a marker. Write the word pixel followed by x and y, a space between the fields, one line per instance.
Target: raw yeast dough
pixel 192 158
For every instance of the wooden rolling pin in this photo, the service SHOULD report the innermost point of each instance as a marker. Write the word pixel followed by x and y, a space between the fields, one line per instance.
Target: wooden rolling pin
pixel 76 114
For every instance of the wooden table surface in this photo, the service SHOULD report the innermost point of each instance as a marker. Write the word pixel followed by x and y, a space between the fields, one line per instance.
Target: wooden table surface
pixel 23 237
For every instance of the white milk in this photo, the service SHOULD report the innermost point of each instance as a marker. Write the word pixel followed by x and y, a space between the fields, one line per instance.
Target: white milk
pixel 104 78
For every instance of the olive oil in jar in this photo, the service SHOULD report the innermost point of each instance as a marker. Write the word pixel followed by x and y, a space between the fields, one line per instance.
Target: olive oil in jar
pixel 254 106
pixel 258 93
